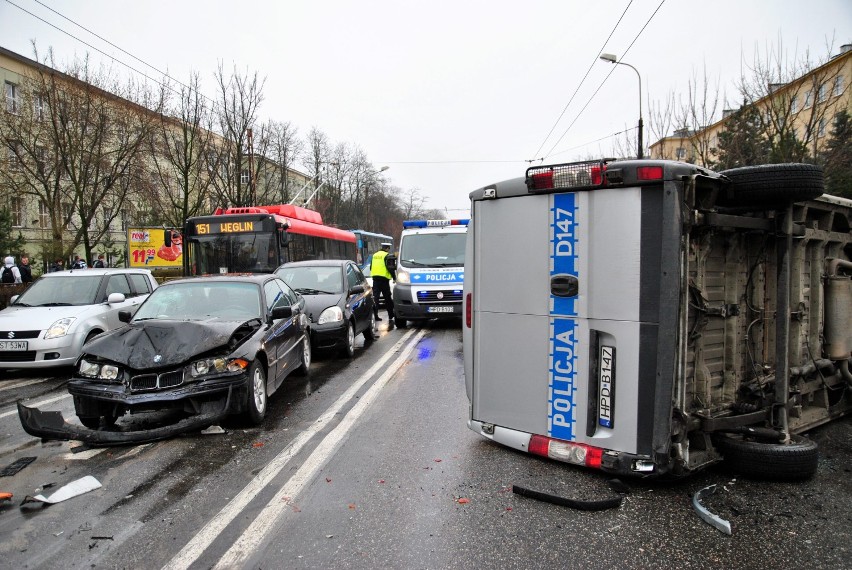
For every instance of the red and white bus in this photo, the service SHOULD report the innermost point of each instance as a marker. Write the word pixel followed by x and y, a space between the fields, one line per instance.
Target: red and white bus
pixel 257 239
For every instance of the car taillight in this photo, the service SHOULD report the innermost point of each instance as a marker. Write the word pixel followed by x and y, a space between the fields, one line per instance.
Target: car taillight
pixel 467 309
pixel 576 453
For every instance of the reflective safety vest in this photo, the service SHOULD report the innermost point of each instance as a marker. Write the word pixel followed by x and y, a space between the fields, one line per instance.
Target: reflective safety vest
pixel 378 267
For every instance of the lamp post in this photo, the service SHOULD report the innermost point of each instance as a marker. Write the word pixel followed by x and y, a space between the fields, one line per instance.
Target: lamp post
pixel 612 59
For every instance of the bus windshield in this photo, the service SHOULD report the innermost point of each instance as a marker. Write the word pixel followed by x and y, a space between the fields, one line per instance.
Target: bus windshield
pixel 235 253
pixel 433 250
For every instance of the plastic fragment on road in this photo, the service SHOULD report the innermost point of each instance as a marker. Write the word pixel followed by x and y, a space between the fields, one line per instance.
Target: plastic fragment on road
pixel 16 466
pixel 213 430
pixel 582 505
pixel 708 517
pixel 71 490
pixel 6 496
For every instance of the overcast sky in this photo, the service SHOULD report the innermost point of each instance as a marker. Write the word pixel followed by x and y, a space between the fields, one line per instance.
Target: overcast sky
pixel 450 94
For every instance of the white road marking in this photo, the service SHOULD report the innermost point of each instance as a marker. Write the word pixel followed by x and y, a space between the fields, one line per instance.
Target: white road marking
pixel 205 537
pixel 23 383
pixel 88 454
pixel 38 404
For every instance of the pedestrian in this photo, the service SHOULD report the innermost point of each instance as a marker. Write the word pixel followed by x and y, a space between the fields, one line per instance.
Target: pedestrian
pixel 99 263
pixel 382 276
pixel 25 269
pixel 11 275
pixel 79 263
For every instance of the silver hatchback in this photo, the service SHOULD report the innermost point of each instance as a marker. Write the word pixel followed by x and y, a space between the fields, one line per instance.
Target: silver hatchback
pixel 48 324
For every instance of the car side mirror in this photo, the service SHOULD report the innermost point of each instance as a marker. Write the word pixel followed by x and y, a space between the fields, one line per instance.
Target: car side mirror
pixel 115 298
pixel 356 290
pixel 282 312
pixel 13 299
pixel 125 316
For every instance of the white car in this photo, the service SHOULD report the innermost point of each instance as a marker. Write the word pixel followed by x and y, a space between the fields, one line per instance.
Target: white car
pixel 48 324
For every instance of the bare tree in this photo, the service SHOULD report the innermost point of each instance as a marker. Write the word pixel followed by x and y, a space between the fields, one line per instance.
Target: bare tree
pixel 285 151
pixel 236 113
pixel 179 147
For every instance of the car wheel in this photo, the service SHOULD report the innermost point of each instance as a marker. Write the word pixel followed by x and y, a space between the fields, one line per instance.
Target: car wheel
pixel 348 350
pixel 777 461
pixel 370 331
pixel 256 405
pixel 305 365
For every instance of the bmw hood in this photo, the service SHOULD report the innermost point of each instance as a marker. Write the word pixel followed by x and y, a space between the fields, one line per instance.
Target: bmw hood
pixel 316 304
pixel 155 344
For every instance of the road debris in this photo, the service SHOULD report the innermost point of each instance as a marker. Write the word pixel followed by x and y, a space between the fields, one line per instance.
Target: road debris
pixel 706 515
pixel 16 466
pixel 212 430
pixel 6 496
pixel 72 489
pixel 583 505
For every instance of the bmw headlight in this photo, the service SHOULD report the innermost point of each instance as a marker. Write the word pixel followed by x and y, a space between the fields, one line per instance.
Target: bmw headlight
pixel 330 315
pixel 95 370
pixel 60 327
pixel 216 365
pixel 402 277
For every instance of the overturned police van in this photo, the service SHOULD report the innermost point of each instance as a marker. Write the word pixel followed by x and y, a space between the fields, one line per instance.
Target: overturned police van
pixel 665 317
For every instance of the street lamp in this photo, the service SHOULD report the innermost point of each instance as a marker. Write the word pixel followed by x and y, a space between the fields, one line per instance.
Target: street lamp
pixel 612 59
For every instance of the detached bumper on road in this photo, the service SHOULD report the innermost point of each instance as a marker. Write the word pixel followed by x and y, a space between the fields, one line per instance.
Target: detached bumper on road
pixel 52 425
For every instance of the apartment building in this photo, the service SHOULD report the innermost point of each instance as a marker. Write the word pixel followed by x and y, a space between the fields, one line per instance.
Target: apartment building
pixel 804 109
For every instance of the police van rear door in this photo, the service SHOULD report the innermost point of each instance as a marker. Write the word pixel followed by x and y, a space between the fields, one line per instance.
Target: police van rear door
pixel 556 334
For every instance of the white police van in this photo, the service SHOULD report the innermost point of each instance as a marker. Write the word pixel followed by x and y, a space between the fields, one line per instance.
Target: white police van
pixel 638 332
pixel 430 270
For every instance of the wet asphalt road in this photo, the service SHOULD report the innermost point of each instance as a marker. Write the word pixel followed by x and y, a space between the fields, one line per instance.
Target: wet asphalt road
pixel 403 485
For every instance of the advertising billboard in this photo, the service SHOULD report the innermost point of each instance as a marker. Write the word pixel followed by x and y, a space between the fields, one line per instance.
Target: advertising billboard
pixel 154 247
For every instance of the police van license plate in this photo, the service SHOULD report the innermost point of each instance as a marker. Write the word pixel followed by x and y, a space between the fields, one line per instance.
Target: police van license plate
pixel 606 382
pixel 13 345
pixel 439 309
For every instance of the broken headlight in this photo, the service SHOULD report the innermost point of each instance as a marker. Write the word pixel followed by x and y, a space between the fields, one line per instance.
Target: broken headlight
pixel 216 366
pixel 96 370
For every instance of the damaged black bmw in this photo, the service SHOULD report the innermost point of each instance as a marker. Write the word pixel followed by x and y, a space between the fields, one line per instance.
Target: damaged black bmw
pixel 208 347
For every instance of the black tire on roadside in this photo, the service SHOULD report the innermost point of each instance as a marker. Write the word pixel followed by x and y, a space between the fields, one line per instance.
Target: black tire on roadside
pixel 772 185
pixel 775 461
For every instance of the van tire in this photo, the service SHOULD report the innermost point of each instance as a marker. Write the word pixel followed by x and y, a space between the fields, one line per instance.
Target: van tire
pixel 776 461
pixel 772 185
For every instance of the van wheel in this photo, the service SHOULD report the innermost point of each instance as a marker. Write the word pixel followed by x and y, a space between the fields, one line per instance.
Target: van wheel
pixel 777 461
pixel 400 323
pixel 772 185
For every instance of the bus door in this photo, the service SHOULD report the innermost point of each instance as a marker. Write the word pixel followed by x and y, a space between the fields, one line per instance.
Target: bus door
pixel 556 319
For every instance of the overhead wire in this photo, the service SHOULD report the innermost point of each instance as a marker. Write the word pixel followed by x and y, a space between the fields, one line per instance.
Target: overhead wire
pixel 626 51
pixel 574 94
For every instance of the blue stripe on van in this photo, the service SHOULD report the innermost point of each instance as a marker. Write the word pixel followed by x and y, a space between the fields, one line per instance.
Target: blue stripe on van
pixel 561 417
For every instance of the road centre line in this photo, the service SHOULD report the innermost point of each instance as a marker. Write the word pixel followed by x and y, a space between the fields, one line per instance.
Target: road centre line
pixel 253 537
pixel 205 537
pixel 38 404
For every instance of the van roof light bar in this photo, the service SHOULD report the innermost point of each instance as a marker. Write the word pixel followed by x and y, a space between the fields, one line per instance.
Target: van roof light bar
pixel 433 223
pixel 585 175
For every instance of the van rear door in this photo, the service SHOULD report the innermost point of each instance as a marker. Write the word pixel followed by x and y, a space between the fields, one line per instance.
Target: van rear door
pixel 562 344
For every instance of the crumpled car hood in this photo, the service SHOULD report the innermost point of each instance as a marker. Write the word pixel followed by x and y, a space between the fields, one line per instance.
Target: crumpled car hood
pixel 175 342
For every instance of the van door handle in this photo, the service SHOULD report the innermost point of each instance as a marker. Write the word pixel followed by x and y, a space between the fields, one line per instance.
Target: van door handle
pixel 564 285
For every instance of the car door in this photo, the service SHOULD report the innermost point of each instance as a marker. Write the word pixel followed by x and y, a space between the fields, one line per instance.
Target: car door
pixel 118 283
pixel 283 335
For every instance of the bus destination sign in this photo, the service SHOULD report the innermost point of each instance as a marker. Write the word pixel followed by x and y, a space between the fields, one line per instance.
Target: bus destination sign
pixel 224 227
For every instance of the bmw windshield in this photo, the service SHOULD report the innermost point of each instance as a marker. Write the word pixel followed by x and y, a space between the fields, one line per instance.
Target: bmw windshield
pixel 200 301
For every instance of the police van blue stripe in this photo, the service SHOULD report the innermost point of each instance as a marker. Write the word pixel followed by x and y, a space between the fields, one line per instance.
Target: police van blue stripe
pixel 562 352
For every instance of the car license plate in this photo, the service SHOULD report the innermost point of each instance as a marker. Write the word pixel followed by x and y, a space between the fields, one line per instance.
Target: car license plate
pixel 439 309
pixel 606 378
pixel 13 345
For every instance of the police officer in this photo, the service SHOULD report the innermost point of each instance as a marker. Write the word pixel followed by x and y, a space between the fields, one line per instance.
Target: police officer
pixel 381 280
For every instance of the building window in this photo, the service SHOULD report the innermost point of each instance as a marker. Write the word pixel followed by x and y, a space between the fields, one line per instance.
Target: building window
pixel 12 157
pixel 680 153
pixel 838 85
pixel 794 104
pixel 808 98
pixel 244 177
pixel 41 159
pixel 38 107
pixel 16 210
pixel 11 97
pixel 822 94
pixel 43 215
pixel 821 130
